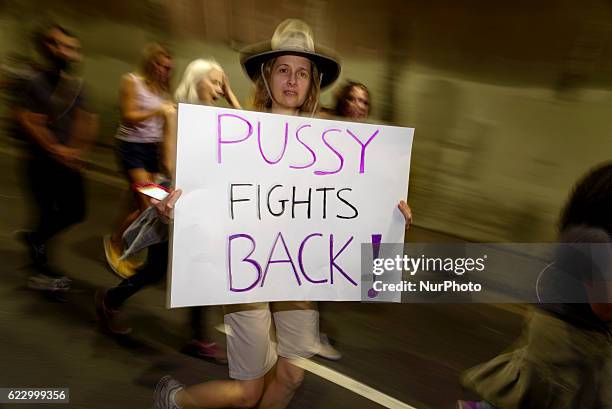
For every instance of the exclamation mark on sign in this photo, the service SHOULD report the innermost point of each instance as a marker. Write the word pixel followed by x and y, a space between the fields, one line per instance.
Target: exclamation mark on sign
pixel 376 240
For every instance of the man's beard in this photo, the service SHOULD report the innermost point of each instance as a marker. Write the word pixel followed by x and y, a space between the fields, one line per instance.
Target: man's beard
pixel 59 64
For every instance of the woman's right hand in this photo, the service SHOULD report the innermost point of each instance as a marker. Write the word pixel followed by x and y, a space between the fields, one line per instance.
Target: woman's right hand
pixel 67 156
pixel 165 208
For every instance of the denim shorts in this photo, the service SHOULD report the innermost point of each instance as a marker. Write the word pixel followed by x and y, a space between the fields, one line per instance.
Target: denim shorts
pixel 133 155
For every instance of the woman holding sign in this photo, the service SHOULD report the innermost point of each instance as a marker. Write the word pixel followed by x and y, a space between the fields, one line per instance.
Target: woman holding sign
pixel 289 71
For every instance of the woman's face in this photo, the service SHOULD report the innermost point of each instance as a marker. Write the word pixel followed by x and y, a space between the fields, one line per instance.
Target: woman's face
pixel 163 68
pixel 210 88
pixel 357 104
pixel 290 82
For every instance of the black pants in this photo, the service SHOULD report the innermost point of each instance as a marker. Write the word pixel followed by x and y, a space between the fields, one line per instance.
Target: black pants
pixel 151 273
pixel 58 193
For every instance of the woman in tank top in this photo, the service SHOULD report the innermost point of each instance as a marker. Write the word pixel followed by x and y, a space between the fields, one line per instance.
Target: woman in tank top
pixel 146 105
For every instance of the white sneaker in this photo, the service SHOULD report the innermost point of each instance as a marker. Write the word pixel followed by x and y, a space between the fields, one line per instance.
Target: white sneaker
pixel 327 351
pixel 162 398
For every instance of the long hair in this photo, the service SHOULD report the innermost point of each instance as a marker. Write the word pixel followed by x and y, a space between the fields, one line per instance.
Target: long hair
pixel 150 55
pixel 342 97
pixel 262 100
pixel 590 202
pixel 196 71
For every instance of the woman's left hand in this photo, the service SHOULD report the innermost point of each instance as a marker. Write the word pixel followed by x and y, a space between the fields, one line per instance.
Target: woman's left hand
pixel 406 212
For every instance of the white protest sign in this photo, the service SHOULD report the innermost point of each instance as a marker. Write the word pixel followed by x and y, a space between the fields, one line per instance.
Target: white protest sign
pixel 276 207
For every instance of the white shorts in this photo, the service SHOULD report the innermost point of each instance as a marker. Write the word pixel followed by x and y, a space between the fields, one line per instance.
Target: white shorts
pixel 251 352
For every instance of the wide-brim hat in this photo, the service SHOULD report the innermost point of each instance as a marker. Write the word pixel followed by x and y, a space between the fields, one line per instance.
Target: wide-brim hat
pixel 291 37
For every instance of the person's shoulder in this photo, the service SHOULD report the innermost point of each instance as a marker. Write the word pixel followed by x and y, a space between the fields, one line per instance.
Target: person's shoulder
pixel 129 78
pixel 37 91
pixel 38 80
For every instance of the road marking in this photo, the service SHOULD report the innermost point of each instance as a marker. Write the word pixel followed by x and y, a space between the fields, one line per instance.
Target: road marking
pixel 339 379
pixel 351 384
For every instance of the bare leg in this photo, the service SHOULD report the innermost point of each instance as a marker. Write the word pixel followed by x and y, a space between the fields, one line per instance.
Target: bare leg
pixel 139 176
pixel 221 394
pixel 281 389
pixel 116 236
